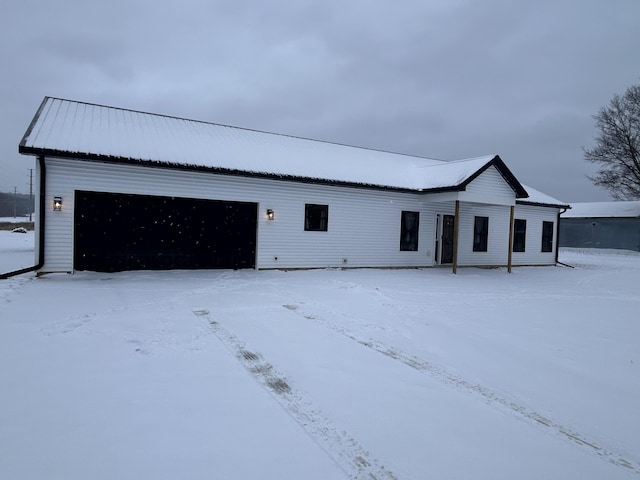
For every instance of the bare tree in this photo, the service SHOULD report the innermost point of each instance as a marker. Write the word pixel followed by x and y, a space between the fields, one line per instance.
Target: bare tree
pixel 617 148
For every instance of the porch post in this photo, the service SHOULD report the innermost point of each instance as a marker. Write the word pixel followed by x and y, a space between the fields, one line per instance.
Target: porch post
pixel 456 222
pixel 511 226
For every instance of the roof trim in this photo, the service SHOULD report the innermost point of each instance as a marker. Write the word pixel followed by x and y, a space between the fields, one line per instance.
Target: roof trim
pixel 539 204
pixel 34 120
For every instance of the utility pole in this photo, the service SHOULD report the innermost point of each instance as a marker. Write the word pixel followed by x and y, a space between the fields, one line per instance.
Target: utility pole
pixel 30 192
pixel 15 201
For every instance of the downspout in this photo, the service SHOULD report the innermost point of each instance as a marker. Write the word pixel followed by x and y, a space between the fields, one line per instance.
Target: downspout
pixel 558 240
pixel 511 227
pixel 456 223
pixel 43 190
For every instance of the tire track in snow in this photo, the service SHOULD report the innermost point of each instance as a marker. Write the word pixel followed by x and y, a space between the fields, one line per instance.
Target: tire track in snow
pixel 345 451
pixel 487 395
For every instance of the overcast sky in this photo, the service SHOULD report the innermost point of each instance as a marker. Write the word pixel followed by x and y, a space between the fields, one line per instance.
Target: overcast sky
pixel 445 79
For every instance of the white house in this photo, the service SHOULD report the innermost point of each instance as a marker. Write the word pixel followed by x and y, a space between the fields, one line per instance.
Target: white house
pixel 122 190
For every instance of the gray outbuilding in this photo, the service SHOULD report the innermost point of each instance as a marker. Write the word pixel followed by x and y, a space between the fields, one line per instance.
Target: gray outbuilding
pixel 601 225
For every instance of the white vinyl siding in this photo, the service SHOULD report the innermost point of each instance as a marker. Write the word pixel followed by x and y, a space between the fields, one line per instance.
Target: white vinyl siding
pixel 364 225
pixel 497 240
pixel 363 228
pixel 489 187
pixel 37 213
pixel 533 254
pixel 58 226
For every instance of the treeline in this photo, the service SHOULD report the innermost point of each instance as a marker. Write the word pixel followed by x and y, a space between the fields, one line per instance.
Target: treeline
pixel 15 204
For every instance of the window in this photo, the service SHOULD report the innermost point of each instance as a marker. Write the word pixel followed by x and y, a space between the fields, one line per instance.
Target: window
pixel 316 217
pixel 547 236
pixel 480 234
pixel 409 231
pixel 519 235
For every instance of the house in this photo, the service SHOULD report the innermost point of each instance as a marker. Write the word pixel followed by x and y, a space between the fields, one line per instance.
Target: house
pixel 602 225
pixel 124 190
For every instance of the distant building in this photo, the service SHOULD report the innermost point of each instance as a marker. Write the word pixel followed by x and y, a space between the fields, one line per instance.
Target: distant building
pixel 601 225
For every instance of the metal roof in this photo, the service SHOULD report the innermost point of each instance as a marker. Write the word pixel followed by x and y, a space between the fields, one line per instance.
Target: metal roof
pixel 82 130
pixel 540 199
pixel 630 209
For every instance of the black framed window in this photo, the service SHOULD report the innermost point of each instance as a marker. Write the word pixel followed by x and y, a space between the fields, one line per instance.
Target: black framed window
pixel 519 235
pixel 480 234
pixel 316 217
pixel 409 224
pixel 547 236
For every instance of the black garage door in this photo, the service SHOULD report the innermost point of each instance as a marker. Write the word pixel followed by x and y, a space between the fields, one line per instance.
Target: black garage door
pixel 115 232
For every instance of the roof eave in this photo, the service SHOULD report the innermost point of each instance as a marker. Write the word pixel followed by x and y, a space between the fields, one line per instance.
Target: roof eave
pixel 541 204
pixel 93 157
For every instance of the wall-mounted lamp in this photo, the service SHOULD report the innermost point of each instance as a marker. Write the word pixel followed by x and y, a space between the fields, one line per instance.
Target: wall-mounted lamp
pixel 57 204
pixel 270 214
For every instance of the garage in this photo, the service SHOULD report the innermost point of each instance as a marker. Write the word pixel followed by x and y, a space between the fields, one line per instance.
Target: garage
pixel 117 232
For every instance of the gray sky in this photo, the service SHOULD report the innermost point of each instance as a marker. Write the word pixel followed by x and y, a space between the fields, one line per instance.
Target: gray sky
pixel 443 79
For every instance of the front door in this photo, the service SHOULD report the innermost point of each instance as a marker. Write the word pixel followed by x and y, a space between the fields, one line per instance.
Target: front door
pixel 447 239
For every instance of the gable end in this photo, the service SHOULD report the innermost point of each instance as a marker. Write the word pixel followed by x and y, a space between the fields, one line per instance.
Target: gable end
pixel 504 171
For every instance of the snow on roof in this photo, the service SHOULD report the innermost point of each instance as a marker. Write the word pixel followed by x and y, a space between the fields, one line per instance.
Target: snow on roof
pixel 77 128
pixel 603 209
pixel 445 174
pixel 536 197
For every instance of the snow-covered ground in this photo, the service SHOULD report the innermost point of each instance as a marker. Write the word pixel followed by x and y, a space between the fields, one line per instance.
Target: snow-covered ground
pixel 15 219
pixel 325 374
pixel 16 250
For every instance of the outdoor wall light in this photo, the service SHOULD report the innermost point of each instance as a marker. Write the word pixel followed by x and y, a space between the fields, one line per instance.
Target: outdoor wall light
pixel 270 214
pixel 57 204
